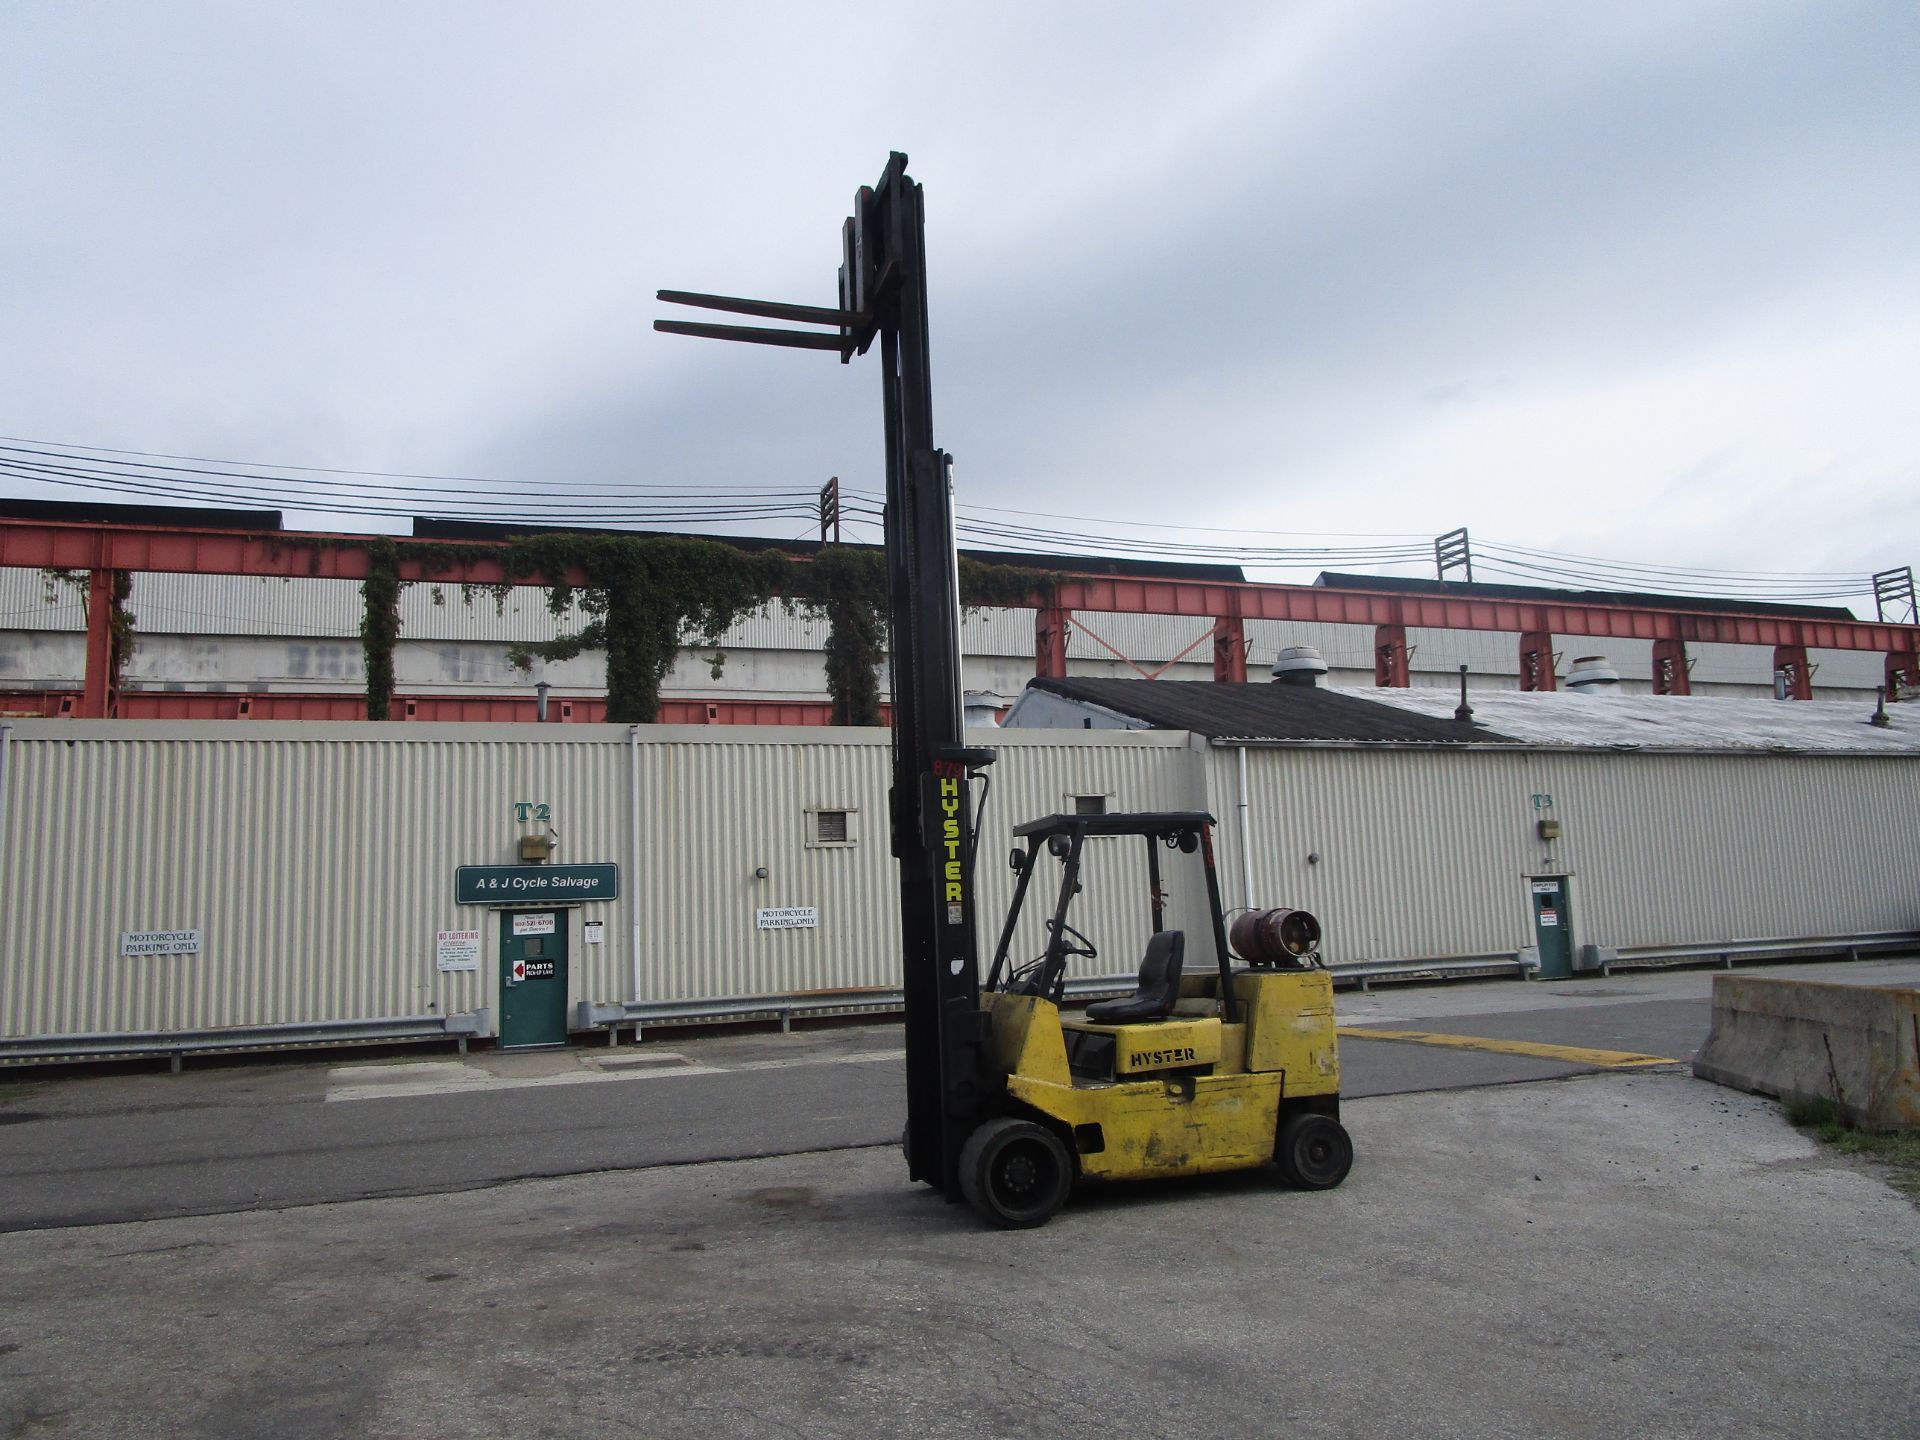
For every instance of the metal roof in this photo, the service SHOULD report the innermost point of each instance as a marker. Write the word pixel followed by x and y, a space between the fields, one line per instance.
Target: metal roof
pixel 1223 711
pixel 1282 714
pixel 1673 722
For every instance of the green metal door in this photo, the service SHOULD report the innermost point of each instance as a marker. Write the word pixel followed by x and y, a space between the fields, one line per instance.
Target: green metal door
pixel 1553 926
pixel 533 978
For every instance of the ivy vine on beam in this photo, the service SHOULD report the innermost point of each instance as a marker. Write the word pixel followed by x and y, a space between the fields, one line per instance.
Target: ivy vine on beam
pixel 380 624
pixel 646 597
pixel 121 636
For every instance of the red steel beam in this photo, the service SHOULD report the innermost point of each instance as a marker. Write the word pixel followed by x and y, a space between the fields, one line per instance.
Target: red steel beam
pixel 1903 674
pixel 1536 661
pixel 1443 612
pixel 96 700
pixel 46 545
pixel 1670 673
pixel 1230 648
pixel 41 545
pixel 1050 627
pixel 1392 662
pixel 1790 661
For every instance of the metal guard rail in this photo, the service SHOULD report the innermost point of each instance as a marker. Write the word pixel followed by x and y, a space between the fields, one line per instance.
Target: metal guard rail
pixel 1606 959
pixel 1521 964
pixel 175 1044
pixel 591 1015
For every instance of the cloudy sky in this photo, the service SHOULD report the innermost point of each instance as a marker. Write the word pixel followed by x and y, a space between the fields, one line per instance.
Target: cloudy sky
pixel 1625 280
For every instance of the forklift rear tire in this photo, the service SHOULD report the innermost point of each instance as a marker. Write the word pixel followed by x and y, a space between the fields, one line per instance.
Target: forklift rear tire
pixel 1314 1151
pixel 1015 1173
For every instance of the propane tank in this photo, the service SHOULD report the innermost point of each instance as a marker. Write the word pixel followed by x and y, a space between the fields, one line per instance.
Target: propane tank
pixel 1275 937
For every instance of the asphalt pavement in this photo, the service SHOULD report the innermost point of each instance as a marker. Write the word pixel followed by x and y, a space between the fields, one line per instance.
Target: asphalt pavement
pixel 82 1148
pixel 1631 1252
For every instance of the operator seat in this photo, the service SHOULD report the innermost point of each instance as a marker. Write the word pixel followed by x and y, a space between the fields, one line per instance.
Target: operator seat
pixel 1158 987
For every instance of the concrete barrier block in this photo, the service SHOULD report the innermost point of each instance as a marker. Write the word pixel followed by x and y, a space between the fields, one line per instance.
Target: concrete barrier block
pixel 1856 1045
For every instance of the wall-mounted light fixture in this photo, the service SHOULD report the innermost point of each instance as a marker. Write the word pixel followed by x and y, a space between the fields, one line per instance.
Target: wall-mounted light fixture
pixel 1549 829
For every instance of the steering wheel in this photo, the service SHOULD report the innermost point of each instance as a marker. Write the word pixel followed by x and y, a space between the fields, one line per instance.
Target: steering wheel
pixel 1083 946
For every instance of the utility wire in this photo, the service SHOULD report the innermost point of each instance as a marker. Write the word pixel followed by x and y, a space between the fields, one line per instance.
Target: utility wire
pixel 104 470
pixel 135 470
pixel 71 477
pixel 230 465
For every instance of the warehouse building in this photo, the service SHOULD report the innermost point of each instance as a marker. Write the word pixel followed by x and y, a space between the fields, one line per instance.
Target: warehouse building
pixel 521 882
pixel 1575 828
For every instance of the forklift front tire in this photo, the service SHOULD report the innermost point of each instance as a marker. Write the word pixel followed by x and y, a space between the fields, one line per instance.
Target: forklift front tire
pixel 1015 1173
pixel 1314 1151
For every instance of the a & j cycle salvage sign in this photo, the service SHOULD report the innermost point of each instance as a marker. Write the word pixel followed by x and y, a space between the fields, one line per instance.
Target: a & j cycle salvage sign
pixel 534 884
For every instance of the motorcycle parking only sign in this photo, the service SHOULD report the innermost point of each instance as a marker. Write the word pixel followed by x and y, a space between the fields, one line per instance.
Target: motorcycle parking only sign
pixel 788 917
pixel 159 942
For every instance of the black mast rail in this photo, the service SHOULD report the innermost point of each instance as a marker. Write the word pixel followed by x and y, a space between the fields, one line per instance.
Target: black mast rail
pixel 882 292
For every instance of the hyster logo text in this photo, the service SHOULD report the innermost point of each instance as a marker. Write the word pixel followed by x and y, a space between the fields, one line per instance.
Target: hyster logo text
pixel 950 837
pixel 1145 1059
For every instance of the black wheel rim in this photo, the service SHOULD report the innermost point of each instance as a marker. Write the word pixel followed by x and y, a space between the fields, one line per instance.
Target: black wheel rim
pixel 1024 1176
pixel 1318 1156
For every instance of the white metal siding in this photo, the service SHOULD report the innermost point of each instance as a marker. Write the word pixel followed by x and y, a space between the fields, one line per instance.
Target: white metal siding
pixel 317 870
pixel 317 860
pixel 1426 853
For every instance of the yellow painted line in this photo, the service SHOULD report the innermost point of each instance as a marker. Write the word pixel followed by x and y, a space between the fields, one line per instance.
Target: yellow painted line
pixel 1566 1054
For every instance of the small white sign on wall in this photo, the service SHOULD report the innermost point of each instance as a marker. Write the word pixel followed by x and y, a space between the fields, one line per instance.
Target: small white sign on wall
pixel 456 949
pixel 789 917
pixel 159 942
pixel 533 924
pixel 593 932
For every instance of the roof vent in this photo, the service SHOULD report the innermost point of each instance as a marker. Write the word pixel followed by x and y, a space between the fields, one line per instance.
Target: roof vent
pixel 1593 675
pixel 980 710
pixel 1298 665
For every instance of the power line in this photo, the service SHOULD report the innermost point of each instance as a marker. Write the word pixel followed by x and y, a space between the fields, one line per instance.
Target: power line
pixel 11 440
pixel 1563 557
pixel 491 507
pixel 140 469
pixel 105 470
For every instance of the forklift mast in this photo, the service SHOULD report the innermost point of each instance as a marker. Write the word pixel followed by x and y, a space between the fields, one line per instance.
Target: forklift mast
pixel 883 296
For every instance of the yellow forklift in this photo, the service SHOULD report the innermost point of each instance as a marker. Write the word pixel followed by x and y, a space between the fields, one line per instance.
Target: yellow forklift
pixel 1008 1102
pixel 1223 1068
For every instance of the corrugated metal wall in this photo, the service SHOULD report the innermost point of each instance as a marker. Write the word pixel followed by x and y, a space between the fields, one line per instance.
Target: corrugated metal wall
pixel 718 810
pixel 317 869
pixel 1427 854
pixel 317 861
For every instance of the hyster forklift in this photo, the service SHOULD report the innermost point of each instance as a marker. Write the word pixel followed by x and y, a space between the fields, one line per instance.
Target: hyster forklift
pixel 1217 1070
pixel 1009 1101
